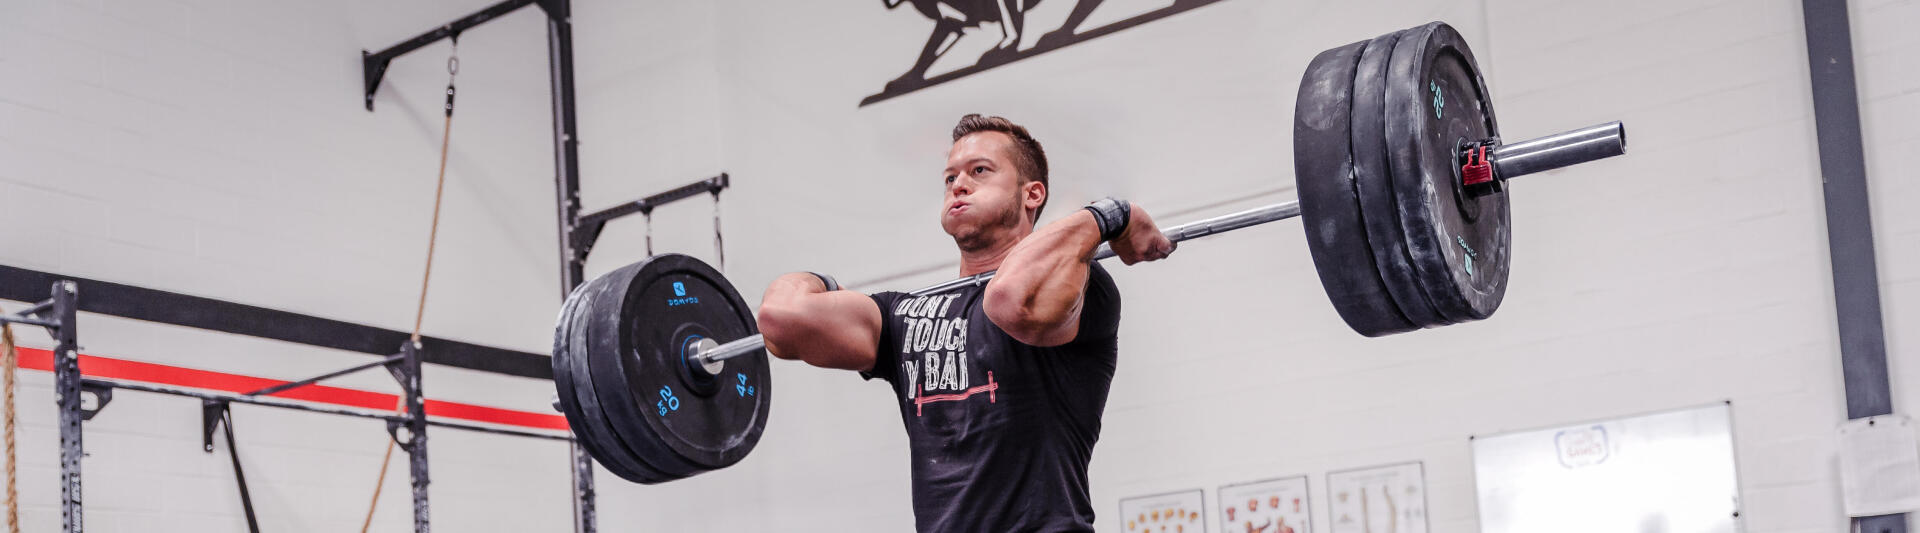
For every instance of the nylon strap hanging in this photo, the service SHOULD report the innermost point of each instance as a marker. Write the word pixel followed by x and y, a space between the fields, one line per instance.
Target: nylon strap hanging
pixel 719 246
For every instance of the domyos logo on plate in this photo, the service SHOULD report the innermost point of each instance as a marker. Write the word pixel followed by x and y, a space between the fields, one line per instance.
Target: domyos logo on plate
pixel 680 296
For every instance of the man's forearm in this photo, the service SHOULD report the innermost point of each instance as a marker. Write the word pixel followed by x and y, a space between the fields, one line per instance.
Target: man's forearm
pixel 784 305
pixel 800 319
pixel 794 285
pixel 1037 292
pixel 1062 243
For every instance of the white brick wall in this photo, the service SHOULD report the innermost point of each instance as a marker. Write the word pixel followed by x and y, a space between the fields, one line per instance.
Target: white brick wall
pixel 218 148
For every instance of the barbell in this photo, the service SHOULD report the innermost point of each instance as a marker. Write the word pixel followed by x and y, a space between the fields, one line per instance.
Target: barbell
pixel 1401 175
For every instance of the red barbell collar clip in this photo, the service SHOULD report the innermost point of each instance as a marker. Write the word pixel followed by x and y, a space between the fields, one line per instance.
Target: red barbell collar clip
pixel 1477 170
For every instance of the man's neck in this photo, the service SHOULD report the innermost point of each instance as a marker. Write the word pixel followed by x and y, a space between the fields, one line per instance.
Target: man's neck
pixel 985 259
pixel 989 257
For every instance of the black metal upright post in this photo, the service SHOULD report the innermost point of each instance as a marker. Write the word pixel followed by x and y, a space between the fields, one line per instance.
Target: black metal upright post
pixel 566 163
pixel 1843 171
pixel 66 393
pixel 566 175
pixel 566 141
pixel 407 372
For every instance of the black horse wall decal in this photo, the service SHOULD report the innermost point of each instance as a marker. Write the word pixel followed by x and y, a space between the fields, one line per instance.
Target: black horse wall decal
pixel 952 17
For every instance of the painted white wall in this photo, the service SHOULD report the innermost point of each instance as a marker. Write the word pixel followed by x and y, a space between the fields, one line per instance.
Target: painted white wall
pixel 1889 112
pixel 1693 271
pixel 219 148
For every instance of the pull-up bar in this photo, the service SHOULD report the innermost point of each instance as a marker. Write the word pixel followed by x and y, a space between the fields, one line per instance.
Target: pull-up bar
pixel 374 64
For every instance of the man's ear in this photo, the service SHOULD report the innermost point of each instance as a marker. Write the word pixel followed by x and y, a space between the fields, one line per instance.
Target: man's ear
pixel 1033 194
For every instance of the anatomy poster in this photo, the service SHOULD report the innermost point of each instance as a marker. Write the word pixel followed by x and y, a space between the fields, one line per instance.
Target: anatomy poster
pixel 1173 512
pixel 1384 499
pixel 1271 506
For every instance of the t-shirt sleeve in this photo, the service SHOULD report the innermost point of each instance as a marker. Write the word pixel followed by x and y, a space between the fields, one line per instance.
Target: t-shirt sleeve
pixel 1100 311
pixel 886 361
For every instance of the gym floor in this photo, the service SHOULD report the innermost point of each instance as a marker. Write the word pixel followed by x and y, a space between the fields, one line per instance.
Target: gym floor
pixel 237 208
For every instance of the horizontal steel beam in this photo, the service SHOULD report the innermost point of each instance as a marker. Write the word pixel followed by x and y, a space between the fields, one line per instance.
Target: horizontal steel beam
pixel 330 375
pixel 282 404
pixel 152 305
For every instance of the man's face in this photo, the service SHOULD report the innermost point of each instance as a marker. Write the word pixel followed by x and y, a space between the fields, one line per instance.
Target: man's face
pixel 986 197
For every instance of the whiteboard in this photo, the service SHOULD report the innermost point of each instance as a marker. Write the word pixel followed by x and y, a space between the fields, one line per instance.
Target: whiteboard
pixel 1669 472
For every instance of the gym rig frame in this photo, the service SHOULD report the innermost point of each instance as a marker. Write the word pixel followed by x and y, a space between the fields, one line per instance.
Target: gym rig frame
pixel 58 312
pixel 1836 117
pixel 79 398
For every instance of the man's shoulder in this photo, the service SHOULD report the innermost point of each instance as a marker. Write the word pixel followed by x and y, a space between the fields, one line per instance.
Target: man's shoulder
pixel 886 300
pixel 1098 274
pixel 1101 283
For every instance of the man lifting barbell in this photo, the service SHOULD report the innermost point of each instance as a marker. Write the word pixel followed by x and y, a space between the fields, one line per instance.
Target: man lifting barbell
pixel 1000 386
pixel 1401 173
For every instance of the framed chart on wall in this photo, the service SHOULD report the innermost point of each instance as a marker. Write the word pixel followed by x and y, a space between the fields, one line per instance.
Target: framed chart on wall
pixel 1381 499
pixel 1171 512
pixel 1269 506
pixel 1671 471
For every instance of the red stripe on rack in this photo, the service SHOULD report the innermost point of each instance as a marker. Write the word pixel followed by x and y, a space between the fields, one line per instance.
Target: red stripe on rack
pixel 158 374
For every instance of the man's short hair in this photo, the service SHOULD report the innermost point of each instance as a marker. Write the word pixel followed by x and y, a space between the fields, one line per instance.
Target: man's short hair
pixel 1031 159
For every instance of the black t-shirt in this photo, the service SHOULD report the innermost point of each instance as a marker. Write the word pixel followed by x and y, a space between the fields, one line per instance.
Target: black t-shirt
pixel 1001 432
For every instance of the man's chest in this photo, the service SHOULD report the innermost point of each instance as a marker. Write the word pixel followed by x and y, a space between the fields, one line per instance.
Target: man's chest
pixel 950 356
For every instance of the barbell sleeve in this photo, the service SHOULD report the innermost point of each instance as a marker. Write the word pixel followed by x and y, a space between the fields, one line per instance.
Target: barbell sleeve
pixel 706 358
pixel 1508 161
pixel 1558 150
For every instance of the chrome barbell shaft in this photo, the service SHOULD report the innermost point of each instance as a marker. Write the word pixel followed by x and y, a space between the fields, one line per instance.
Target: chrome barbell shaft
pixel 1191 230
pixel 1509 161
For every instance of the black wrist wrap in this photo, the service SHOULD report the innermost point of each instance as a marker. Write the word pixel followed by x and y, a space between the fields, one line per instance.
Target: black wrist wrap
pixel 827 280
pixel 1111 215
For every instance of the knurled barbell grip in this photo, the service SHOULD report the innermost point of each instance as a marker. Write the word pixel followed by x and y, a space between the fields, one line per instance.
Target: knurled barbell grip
pixel 1220 224
pixel 1509 161
pixel 1190 230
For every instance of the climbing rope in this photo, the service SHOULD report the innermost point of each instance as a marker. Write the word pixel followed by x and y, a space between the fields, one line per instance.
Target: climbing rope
pixel 433 235
pixel 10 360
